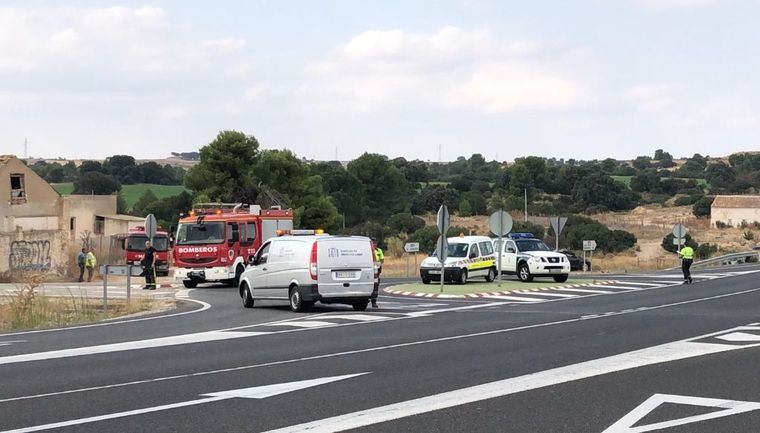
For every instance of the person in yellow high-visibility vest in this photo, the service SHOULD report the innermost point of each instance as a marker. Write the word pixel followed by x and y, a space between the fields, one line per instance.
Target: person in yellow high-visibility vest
pixel 687 258
pixel 379 259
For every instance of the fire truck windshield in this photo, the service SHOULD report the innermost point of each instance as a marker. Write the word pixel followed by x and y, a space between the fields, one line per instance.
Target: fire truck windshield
pixel 137 243
pixel 206 233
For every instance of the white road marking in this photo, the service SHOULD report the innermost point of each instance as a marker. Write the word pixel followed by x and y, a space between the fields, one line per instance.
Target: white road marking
pixel 358 317
pixel 514 298
pixel 380 348
pixel 549 294
pixel 9 342
pixel 448 310
pixel 730 407
pixel 637 283
pixel 304 324
pixel 739 336
pixel 256 392
pixel 596 292
pixel 669 352
pixel 129 345
pixel 610 286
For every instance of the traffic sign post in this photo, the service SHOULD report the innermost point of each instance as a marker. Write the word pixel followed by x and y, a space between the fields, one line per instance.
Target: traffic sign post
pixel 589 245
pixel 558 224
pixel 411 247
pixel 500 224
pixel 151 225
pixel 679 236
pixel 442 246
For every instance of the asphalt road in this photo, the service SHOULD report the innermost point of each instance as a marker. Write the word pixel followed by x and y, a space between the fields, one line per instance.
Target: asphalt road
pixel 641 354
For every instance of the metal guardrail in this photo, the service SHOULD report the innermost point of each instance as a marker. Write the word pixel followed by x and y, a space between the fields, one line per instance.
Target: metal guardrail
pixel 728 259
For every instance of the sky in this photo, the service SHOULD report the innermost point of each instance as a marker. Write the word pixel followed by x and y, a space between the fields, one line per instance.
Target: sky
pixel 583 79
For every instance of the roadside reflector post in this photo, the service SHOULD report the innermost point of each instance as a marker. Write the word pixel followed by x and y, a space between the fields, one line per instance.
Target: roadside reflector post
pixel 129 283
pixel 105 290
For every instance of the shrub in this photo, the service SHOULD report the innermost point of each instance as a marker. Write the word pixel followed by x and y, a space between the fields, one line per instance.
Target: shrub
pixel 748 235
pixel 529 227
pixel 688 200
pixel 702 207
pixel 405 223
pixel 667 243
pixel 721 225
pixel 580 228
pixel 395 247
pixel 705 251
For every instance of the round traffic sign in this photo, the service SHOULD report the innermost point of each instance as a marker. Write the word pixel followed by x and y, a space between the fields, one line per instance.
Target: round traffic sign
pixel 500 223
pixel 679 231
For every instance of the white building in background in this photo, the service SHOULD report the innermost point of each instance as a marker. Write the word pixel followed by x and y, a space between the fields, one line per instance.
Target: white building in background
pixel 732 210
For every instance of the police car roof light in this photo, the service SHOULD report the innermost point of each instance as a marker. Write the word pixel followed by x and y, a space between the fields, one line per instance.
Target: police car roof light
pixel 521 236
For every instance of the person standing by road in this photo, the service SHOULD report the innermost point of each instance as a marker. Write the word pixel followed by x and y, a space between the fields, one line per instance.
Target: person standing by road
pixel 90 261
pixel 379 259
pixel 687 258
pixel 149 266
pixel 81 257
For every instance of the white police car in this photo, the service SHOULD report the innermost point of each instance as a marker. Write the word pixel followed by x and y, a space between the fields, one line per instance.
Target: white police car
pixel 468 257
pixel 528 257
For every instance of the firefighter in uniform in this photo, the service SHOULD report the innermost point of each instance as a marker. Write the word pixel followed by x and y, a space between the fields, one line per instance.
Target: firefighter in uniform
pixel 379 259
pixel 687 258
pixel 149 266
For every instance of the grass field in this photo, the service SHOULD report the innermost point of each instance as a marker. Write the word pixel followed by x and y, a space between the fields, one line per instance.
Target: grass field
pixel 131 193
pixel 480 287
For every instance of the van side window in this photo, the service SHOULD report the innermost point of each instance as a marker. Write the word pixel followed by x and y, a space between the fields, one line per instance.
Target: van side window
pixel 474 251
pixel 262 254
pixel 486 248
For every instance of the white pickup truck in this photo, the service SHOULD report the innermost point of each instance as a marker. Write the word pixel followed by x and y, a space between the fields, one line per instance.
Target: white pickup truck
pixel 527 257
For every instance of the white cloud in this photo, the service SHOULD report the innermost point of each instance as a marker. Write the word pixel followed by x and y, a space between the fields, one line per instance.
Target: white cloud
pixel 224 44
pixel 255 92
pixel 658 5
pixel 172 113
pixel 650 97
pixel 451 68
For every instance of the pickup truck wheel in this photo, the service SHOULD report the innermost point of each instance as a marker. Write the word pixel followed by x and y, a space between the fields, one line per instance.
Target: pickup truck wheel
pixel 463 277
pixel 426 281
pixel 491 275
pixel 190 284
pixel 247 298
pixel 523 273
pixel 560 278
pixel 296 302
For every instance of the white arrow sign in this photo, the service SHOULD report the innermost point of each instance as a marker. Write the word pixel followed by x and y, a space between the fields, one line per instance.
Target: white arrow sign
pixel 256 392
pixel 730 407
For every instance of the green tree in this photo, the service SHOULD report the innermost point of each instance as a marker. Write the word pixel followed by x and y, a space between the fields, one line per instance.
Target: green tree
pixel 385 188
pixel 225 171
pixel 93 182
pixel 703 207
pixel 465 209
pixel 667 243
pixel 121 204
pixel 405 223
pixel 145 200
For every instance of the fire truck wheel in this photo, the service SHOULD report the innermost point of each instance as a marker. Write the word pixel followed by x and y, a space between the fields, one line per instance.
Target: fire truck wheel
pixel 238 272
pixel 190 284
pixel 247 298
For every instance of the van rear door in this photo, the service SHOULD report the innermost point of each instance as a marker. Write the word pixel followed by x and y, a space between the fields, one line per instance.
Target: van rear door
pixel 346 267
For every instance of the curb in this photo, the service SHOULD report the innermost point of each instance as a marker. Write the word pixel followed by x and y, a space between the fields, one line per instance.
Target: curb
pixel 487 294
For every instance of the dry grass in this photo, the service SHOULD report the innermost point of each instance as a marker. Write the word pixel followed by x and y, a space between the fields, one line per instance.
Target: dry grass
pixel 28 309
pixel 397 267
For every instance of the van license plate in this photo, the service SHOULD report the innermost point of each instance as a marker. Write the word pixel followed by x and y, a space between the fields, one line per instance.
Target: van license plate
pixel 435 272
pixel 345 275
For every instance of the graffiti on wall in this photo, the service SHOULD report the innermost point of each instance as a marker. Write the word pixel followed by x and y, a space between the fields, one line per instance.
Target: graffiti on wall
pixel 30 256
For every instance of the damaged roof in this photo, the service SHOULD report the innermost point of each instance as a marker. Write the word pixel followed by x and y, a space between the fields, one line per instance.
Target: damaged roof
pixel 737 201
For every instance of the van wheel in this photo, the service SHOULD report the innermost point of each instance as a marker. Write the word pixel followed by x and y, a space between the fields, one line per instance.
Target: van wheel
pixel 491 275
pixel 238 273
pixel 190 284
pixel 426 281
pixel 247 298
pixel 523 273
pixel 361 305
pixel 560 278
pixel 463 277
pixel 296 301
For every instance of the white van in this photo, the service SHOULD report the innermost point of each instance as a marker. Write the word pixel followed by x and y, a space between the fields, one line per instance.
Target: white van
pixel 306 269
pixel 468 257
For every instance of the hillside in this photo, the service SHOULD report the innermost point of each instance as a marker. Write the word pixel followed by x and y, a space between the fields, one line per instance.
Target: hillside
pixel 131 193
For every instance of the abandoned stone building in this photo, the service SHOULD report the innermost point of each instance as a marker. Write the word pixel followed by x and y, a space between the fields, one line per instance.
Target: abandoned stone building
pixel 733 210
pixel 40 230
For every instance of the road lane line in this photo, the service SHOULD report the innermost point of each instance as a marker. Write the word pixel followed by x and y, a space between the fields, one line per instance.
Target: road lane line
pixel 514 298
pixel 550 294
pixel 379 348
pixel 664 353
pixel 609 286
pixel 636 283
pixel 596 292
pixel 305 324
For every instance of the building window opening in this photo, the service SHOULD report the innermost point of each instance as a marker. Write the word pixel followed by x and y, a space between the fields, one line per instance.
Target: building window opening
pixel 18 191
pixel 100 225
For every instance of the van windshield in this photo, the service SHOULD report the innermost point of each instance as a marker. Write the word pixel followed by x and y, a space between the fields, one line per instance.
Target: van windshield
pixel 137 243
pixel 458 250
pixel 203 233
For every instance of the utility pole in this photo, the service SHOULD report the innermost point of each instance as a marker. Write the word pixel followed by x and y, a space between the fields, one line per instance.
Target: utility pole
pixel 526 205
pixel 336 153
pixel 440 154
pixel 26 149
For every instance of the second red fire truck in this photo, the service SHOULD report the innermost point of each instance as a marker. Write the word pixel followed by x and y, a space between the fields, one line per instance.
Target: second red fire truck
pixel 215 240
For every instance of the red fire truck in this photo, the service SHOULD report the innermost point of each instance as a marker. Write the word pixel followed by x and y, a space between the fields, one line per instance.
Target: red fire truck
pixel 134 247
pixel 215 240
